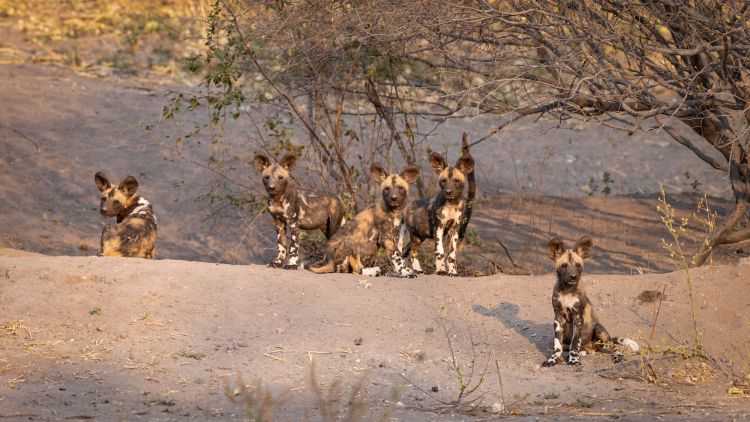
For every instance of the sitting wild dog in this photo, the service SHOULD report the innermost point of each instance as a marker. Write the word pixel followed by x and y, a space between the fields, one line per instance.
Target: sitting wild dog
pixel 576 324
pixel 295 208
pixel 135 231
pixel 356 244
pixel 439 217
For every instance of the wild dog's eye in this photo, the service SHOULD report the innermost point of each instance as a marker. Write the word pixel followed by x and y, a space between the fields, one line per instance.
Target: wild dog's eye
pixel 401 188
pixel 281 177
pixel 564 265
pixel 116 202
pixel 104 199
pixel 387 189
pixel 456 180
pixel 265 177
pixel 578 265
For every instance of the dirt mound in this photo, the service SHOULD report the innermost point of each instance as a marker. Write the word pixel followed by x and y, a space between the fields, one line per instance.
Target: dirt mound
pixel 106 338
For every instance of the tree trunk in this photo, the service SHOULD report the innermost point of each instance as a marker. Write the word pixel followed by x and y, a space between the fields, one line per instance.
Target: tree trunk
pixel 717 131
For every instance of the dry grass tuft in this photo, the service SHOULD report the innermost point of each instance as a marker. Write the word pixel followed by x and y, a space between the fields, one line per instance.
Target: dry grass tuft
pixel 95 350
pixel 14 329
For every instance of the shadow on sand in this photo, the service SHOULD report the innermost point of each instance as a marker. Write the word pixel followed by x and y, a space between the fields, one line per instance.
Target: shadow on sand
pixel 540 335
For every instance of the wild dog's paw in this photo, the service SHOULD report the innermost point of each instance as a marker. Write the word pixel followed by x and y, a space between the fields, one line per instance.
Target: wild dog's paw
pixel 407 274
pixel 291 267
pixel 276 264
pixel 573 360
pixel 372 272
pixel 550 362
pixel 452 274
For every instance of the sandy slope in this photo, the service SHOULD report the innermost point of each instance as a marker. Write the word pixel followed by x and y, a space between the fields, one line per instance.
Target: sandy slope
pixel 107 338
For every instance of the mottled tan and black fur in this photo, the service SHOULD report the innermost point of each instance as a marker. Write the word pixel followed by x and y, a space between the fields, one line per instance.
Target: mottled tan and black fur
pixel 577 328
pixel 354 247
pixel 134 235
pixel 439 217
pixel 294 208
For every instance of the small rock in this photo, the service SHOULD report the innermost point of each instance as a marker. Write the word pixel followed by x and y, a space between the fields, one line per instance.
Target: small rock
pixel 498 407
pixel 358 341
pixel 435 389
pixel 399 404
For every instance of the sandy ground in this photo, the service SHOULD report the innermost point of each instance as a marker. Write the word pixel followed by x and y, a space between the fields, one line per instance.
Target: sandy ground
pixel 115 338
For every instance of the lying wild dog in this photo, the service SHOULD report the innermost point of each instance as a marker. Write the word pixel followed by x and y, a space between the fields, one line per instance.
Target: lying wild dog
pixel 295 208
pixel 439 217
pixel 576 324
pixel 134 234
pixel 355 246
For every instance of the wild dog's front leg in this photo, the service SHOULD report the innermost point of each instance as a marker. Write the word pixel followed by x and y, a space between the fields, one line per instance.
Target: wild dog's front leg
pixel 439 250
pixel 399 267
pixel 394 252
pixel 575 340
pixel 108 232
pixel 293 246
pixel 556 355
pixel 414 243
pixel 414 253
pixel 280 227
pixel 453 236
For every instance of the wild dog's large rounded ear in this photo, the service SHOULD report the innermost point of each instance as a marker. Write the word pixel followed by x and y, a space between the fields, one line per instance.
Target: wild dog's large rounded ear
pixel 583 246
pixel 465 164
pixel 129 186
pixel 410 174
pixel 555 248
pixel 260 162
pixel 437 162
pixel 101 181
pixel 378 173
pixel 288 161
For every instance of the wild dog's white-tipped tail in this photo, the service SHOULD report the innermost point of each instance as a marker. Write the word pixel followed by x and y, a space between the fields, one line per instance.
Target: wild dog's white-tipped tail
pixel 628 342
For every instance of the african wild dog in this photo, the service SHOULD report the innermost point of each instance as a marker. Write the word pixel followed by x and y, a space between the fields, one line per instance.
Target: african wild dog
pixel 354 247
pixel 134 235
pixel 576 324
pixel 439 217
pixel 295 208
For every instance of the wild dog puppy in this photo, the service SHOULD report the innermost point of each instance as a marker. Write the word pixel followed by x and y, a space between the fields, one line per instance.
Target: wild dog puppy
pixel 295 208
pixel 576 324
pixel 356 244
pixel 134 235
pixel 439 217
